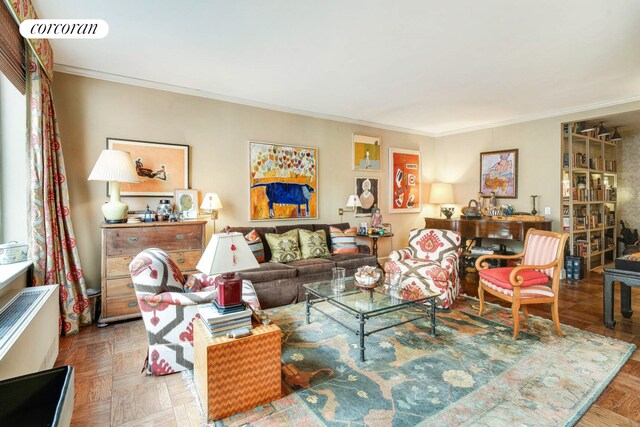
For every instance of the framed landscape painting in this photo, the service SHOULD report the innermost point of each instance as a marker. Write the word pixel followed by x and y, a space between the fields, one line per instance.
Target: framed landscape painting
pixel 283 182
pixel 367 192
pixel 366 153
pixel 499 173
pixel 404 180
pixel 161 167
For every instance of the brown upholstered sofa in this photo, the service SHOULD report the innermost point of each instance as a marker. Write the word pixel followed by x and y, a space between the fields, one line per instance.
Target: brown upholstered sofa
pixel 280 284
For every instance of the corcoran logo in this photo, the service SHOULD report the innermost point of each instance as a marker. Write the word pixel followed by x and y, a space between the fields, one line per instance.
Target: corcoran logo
pixel 64 29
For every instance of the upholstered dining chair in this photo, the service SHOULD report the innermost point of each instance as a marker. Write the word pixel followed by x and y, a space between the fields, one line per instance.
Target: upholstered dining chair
pixel 535 281
pixel 169 305
pixel 428 264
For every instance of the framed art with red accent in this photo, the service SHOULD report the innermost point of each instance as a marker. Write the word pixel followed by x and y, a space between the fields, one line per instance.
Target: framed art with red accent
pixel 404 180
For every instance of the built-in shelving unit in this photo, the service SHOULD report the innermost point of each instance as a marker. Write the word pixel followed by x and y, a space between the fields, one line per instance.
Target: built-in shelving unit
pixel 589 197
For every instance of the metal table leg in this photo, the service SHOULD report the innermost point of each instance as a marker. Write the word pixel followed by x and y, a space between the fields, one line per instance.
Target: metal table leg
pixel 308 295
pixel 362 348
pixel 433 318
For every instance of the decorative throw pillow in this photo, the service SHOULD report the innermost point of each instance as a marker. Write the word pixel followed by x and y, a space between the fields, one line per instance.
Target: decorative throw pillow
pixel 343 242
pixel 256 245
pixel 284 247
pixel 313 244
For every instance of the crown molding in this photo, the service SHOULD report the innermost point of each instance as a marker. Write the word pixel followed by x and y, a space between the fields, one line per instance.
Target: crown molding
pixel 117 78
pixel 557 113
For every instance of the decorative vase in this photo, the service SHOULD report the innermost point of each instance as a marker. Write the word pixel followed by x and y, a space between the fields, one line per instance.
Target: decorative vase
pixel 164 208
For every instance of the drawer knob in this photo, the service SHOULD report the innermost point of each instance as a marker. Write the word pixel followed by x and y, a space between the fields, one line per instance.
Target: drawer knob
pixel 132 239
pixel 179 236
pixel 130 285
pixel 180 260
pixel 132 304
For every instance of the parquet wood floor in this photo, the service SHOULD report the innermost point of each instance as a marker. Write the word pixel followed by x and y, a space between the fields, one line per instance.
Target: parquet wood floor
pixel 111 391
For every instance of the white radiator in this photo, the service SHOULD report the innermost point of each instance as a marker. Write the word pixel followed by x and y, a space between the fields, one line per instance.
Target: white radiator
pixel 28 330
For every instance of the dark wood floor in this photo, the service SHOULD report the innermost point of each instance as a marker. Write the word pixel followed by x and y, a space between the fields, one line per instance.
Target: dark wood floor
pixel 110 390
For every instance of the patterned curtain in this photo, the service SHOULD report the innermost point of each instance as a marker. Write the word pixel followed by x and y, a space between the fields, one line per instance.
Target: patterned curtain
pixel 53 245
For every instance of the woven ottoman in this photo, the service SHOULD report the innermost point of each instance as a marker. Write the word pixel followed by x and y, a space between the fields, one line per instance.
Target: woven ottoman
pixel 235 375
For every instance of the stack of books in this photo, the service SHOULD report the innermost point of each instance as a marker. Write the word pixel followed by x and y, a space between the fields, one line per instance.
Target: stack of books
pixel 220 324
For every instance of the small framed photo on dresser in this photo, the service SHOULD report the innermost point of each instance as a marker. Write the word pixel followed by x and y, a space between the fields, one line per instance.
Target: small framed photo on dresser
pixel 187 203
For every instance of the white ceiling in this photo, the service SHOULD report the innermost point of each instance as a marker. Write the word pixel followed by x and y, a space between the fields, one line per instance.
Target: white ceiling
pixel 428 66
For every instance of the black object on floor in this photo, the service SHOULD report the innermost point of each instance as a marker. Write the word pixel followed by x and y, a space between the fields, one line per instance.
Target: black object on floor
pixel 43 398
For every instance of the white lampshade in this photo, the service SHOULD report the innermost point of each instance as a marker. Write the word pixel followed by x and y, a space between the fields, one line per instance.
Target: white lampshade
pixel 211 202
pixel 114 166
pixel 227 253
pixel 441 193
pixel 353 202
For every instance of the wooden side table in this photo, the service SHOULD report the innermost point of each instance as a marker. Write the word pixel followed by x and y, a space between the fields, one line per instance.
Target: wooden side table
pixel 374 242
pixel 235 375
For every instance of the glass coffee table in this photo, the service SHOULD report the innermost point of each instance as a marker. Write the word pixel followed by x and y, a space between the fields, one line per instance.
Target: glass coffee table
pixel 366 304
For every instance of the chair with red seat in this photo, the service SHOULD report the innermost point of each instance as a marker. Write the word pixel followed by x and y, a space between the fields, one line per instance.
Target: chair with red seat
pixel 535 281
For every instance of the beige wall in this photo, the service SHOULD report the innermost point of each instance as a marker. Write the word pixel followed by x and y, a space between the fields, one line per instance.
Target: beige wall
pixel 218 132
pixel 629 180
pixel 457 159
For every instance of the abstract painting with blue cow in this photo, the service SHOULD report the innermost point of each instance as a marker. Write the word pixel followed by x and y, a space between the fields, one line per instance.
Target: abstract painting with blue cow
pixel 283 181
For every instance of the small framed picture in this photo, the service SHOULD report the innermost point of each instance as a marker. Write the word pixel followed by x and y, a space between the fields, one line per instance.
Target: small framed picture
pixel 366 153
pixel 187 203
pixel 499 173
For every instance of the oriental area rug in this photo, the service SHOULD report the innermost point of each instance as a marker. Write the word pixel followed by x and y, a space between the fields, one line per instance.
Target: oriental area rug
pixel 471 373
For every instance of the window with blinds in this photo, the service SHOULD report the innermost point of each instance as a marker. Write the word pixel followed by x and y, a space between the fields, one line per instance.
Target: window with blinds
pixel 12 61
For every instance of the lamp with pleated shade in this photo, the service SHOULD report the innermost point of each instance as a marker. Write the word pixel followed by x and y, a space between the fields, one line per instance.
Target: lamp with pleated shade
pixel 225 254
pixel 114 166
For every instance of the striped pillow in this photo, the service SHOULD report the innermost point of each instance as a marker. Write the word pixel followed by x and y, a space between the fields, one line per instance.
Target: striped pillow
pixel 255 244
pixel 343 242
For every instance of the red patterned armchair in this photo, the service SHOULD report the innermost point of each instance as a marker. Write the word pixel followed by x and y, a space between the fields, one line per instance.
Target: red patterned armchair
pixel 169 305
pixel 429 264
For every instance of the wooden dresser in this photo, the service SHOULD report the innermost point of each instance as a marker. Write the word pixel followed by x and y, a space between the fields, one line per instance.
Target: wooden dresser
pixel 184 241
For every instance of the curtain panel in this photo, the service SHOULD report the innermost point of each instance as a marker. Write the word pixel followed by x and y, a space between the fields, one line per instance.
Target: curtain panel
pixel 53 244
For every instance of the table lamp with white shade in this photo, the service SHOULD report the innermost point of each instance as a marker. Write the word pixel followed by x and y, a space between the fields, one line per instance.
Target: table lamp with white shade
pixel 114 166
pixel 212 202
pixel 442 194
pixel 353 202
pixel 225 254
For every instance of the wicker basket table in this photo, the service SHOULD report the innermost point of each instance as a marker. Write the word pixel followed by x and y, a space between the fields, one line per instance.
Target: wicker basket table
pixel 235 375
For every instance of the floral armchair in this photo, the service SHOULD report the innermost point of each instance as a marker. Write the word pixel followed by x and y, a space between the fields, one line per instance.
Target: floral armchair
pixel 429 264
pixel 169 304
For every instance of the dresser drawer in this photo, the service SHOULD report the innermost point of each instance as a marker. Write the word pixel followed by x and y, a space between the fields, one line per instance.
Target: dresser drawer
pixel 186 260
pixel 120 288
pixel 182 238
pixel 118 266
pixel 121 306
pixel 126 241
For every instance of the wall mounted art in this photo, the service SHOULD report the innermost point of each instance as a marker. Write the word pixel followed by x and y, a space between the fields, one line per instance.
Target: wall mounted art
pixel 366 153
pixel 161 167
pixel 367 191
pixel 283 182
pixel 499 173
pixel 404 180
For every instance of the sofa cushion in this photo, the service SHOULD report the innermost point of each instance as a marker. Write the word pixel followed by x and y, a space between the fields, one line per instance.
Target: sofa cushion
pixel 255 244
pixel 284 247
pixel 313 244
pixel 353 260
pixel 261 232
pixel 343 242
pixel 307 267
pixel 269 271
pixel 327 231
pixel 284 228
